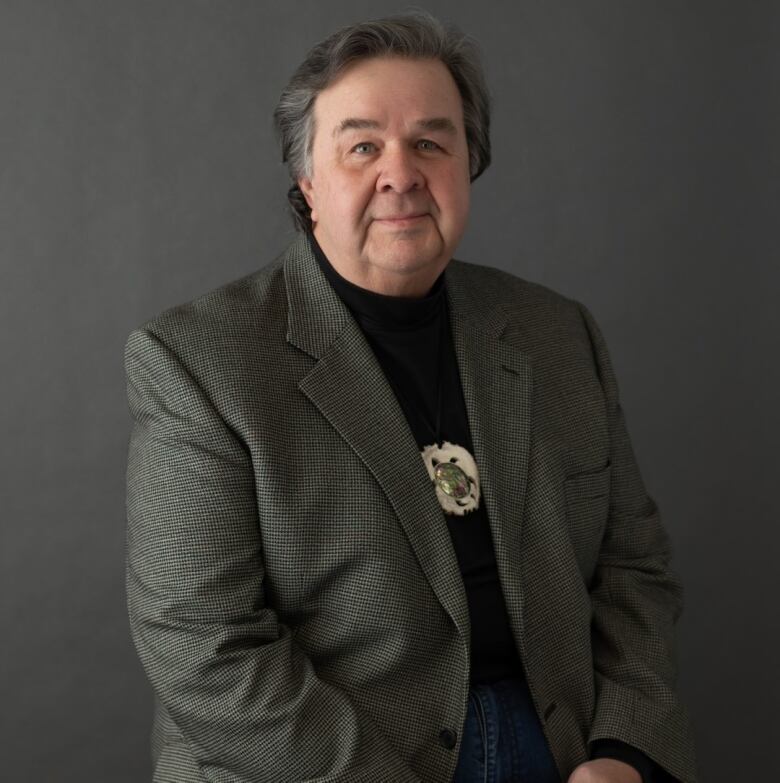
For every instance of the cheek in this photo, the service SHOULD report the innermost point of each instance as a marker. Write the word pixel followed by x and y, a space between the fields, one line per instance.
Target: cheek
pixel 455 199
pixel 353 192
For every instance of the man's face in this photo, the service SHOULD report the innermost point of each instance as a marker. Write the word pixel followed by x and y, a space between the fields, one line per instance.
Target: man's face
pixel 389 191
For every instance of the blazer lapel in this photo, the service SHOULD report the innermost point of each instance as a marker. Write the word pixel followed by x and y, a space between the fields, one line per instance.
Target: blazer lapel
pixel 348 386
pixel 497 385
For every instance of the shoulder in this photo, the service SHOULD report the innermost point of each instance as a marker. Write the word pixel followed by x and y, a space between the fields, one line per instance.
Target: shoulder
pixel 553 330
pixel 527 303
pixel 250 308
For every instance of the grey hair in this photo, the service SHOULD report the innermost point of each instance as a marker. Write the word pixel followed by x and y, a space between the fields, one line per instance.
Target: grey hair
pixel 414 35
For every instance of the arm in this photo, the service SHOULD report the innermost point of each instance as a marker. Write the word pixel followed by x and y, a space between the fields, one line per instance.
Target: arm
pixel 637 599
pixel 246 699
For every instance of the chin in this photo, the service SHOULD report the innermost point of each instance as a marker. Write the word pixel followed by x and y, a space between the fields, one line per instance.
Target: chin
pixel 407 255
pixel 405 263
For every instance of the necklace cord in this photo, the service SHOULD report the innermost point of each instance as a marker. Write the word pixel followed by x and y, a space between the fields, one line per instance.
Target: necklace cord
pixel 439 384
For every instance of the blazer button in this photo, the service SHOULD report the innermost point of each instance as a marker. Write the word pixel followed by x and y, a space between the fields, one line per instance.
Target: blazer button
pixel 448 738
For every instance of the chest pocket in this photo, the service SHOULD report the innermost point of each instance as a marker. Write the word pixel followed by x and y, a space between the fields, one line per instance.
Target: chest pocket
pixel 587 510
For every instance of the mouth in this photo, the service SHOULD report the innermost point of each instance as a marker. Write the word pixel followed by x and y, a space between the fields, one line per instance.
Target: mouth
pixel 401 221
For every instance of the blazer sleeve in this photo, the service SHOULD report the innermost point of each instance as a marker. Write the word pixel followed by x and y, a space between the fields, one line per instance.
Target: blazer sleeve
pixel 637 599
pixel 244 696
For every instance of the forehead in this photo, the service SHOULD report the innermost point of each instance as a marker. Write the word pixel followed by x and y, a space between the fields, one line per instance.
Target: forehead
pixel 389 89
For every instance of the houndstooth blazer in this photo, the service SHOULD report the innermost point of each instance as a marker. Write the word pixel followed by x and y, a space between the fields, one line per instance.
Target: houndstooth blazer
pixel 293 592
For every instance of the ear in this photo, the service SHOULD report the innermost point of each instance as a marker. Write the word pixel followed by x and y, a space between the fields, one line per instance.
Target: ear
pixel 305 184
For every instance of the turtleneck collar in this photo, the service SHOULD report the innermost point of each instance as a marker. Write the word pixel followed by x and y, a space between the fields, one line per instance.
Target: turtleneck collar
pixel 381 311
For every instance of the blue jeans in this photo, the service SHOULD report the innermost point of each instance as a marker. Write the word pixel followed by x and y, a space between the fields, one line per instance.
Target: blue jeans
pixel 503 740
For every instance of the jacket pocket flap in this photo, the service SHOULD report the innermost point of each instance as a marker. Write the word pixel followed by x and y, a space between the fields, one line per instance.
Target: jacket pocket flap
pixel 591 484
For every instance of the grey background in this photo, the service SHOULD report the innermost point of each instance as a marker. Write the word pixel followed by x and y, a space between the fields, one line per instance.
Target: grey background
pixel 635 168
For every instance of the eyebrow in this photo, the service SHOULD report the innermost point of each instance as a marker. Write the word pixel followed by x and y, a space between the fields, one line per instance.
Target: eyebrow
pixel 431 124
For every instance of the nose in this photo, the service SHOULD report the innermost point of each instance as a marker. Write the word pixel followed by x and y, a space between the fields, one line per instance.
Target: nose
pixel 399 171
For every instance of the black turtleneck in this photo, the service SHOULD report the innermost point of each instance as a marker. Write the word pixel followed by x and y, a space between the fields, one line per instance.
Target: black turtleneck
pixel 405 335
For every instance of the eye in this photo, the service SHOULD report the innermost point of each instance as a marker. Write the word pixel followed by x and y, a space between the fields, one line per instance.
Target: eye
pixel 430 145
pixel 360 148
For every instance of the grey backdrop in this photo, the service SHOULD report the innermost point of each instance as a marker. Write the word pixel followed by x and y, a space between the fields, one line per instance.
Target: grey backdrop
pixel 635 168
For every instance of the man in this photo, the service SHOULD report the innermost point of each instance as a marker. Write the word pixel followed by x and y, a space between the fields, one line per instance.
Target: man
pixel 384 519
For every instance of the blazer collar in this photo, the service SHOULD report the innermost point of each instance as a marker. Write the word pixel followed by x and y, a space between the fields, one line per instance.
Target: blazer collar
pixel 317 315
pixel 348 386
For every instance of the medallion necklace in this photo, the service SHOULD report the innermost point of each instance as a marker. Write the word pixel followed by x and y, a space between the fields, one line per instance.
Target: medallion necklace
pixel 451 467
